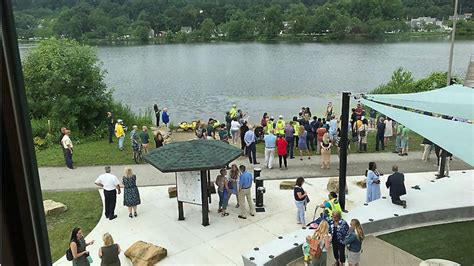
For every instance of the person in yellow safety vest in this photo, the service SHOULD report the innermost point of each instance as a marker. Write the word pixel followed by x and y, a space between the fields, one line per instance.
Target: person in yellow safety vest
pixel 280 126
pixel 270 125
pixel 120 133
pixel 233 111
pixel 296 127
pixel 331 205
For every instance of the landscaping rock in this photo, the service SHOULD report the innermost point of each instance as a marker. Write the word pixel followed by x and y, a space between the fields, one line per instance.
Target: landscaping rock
pixel 333 185
pixel 52 207
pixel 287 185
pixel 145 254
pixel 362 183
pixel 172 192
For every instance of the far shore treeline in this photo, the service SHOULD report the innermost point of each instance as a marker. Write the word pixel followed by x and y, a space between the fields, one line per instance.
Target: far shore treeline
pixel 204 20
pixel 65 87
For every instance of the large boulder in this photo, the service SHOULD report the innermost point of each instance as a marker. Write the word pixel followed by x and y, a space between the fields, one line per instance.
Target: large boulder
pixel 52 207
pixel 362 183
pixel 287 185
pixel 333 185
pixel 145 254
pixel 172 192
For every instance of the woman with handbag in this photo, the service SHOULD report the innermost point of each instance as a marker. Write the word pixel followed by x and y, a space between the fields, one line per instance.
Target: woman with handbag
pixel 78 246
pixel 319 244
pixel 301 198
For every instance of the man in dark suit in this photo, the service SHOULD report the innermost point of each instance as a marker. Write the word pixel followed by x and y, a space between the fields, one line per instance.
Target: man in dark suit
pixel 396 185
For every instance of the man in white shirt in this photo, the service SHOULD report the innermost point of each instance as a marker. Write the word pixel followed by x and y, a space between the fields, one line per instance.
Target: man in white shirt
pixel 67 146
pixel 111 185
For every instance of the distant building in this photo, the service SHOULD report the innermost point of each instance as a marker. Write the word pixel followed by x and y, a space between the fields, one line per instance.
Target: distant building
pixel 462 17
pixel 162 33
pixel 188 29
pixel 151 33
pixel 421 22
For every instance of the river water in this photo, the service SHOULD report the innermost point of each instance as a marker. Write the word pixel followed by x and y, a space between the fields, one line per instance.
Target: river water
pixel 198 81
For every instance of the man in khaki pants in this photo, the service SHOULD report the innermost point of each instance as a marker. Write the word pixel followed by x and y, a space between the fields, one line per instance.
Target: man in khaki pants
pixel 245 192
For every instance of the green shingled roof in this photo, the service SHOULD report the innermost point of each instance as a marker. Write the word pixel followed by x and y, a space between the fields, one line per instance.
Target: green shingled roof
pixel 192 155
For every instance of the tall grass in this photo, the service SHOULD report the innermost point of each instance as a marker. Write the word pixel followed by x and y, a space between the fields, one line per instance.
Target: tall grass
pixel 124 112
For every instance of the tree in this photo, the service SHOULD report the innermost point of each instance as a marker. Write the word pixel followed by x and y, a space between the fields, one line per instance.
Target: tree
pixel 208 28
pixel 273 21
pixel 64 83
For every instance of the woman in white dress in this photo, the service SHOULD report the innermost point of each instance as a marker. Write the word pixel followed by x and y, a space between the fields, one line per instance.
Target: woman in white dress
pixel 388 133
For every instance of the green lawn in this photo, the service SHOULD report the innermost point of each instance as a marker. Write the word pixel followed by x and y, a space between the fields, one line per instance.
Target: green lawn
pixel 447 241
pixel 90 153
pixel 102 153
pixel 414 144
pixel 84 210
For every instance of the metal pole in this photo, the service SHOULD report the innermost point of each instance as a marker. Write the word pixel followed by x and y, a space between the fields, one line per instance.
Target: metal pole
pixel 343 148
pixel 453 34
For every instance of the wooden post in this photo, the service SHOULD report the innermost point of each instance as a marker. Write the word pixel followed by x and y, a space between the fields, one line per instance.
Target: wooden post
pixel 204 196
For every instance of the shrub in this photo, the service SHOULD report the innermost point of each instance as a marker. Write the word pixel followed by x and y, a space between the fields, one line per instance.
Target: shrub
pixel 64 83
pixel 39 127
pixel 402 82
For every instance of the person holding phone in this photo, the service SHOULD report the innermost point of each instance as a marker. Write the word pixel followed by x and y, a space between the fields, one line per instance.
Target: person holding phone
pixel 78 248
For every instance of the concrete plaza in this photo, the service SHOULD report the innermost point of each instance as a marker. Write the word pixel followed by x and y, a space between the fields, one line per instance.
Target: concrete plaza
pixel 226 239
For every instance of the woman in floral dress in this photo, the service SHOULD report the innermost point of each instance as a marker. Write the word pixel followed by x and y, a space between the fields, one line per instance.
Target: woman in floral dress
pixel 131 196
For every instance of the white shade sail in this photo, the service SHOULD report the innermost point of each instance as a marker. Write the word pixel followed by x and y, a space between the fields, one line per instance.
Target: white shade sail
pixel 454 100
pixel 453 136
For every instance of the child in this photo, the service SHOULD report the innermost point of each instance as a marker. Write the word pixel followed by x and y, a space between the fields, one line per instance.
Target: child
pixel 306 250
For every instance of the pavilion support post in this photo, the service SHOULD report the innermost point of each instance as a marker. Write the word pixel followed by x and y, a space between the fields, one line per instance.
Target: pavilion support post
pixel 209 195
pixel 204 197
pixel 442 164
pixel 180 211
pixel 343 150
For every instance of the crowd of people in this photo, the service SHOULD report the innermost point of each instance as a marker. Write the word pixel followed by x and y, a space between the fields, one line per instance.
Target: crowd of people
pixel 304 132
pixel 330 229
pixel 111 186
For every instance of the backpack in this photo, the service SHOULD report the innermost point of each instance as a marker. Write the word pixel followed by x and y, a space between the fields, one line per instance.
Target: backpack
pixel 315 250
pixel 69 256
pixel 362 132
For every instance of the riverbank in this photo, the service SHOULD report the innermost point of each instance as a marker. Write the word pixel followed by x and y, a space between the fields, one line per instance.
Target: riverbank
pixel 287 38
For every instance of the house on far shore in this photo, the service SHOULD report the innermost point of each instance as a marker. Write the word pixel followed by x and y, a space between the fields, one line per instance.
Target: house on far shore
pixel 151 34
pixel 188 29
pixel 161 33
pixel 466 16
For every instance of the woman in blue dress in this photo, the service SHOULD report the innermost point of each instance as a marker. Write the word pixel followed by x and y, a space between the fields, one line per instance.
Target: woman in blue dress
pixel 373 183
pixel 131 196
pixel 302 145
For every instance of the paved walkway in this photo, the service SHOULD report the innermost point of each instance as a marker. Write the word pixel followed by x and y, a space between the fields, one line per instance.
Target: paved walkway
pixel 60 178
